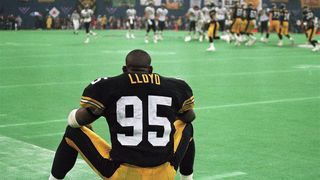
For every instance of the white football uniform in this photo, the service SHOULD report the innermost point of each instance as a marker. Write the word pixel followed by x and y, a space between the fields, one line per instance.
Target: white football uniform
pixel 192 14
pixel 205 10
pixel 150 12
pixel 131 14
pixel 75 17
pixel 86 15
pixel 221 13
pixel 162 14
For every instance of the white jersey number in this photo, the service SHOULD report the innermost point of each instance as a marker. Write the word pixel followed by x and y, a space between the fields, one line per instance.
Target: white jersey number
pixel 136 121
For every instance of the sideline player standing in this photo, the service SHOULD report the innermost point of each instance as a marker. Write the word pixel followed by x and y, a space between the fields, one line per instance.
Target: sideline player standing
pixel 213 29
pixel 149 117
pixel 75 18
pixel 264 20
pixel 237 12
pixel 196 18
pixel 311 30
pixel 206 18
pixel 251 23
pixel 284 22
pixel 131 17
pixel 274 19
pixel 162 16
pixel 221 17
pixel 149 14
pixel 86 14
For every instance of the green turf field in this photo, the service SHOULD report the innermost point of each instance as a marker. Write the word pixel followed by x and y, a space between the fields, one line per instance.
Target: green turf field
pixel 258 108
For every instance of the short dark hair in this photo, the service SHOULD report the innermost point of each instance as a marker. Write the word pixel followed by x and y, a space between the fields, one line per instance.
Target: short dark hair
pixel 138 58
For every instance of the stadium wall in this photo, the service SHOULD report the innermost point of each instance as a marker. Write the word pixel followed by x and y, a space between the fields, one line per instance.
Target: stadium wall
pixel 28 9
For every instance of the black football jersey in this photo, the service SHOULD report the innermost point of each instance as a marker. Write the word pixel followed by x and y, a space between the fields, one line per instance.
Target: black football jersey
pixel 310 20
pixel 140 110
pixel 238 11
pixel 275 14
pixel 252 14
pixel 284 15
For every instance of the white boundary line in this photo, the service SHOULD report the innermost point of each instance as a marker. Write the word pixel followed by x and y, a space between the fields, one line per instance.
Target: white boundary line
pixel 20 158
pixel 225 175
pixel 259 102
pixel 33 123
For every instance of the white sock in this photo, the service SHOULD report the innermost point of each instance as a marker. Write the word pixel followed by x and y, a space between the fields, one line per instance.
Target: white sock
pixel 188 177
pixel 53 178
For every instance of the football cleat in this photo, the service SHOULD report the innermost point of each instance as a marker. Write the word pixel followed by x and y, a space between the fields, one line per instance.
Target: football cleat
pixel 200 38
pixel 264 40
pixel 317 48
pixel 187 38
pixel 211 48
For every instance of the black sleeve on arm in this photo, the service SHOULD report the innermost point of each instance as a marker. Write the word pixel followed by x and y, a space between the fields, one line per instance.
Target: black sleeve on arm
pixel 185 102
pixel 91 102
pixel 92 98
pixel 187 116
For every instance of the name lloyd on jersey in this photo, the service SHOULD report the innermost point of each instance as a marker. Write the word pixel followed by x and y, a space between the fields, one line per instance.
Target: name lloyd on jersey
pixel 145 78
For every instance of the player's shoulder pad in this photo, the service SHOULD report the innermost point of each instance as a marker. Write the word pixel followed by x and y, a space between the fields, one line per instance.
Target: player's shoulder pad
pixel 178 81
pixel 99 80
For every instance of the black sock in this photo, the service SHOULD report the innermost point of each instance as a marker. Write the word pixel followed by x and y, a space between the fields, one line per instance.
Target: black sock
pixel 267 36
pixel 314 43
pixel 186 165
pixel 280 36
pixel 64 160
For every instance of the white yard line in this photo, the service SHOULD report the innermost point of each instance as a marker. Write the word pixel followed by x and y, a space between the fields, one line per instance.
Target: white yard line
pixel 33 123
pixel 127 51
pixel 24 44
pixel 40 56
pixel 259 102
pixel 3 115
pixel 307 66
pixel 223 176
pixel 53 66
pixel 247 73
pixel 43 84
pixel 44 135
pixel 21 159
pixel 204 75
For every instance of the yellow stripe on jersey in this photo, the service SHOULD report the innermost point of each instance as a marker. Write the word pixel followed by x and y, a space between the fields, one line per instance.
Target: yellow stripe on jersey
pixel 89 102
pixel 179 126
pixel 187 105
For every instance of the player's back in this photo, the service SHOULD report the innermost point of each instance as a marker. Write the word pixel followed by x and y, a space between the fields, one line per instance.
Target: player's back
pixel 140 110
